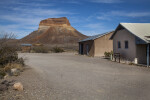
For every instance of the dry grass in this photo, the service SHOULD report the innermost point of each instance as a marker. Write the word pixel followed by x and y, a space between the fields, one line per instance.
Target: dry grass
pixel 10 66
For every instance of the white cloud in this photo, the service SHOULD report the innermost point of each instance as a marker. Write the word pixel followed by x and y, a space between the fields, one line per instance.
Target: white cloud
pixel 17 29
pixel 94 29
pixel 28 18
pixel 35 4
pixel 67 1
pixel 110 15
pixel 106 1
pixel 89 33
pixel 94 32
pixel 32 16
pixel 8 26
pixel 94 26
pixel 72 2
pixel 103 18
pixel 22 20
pixel 130 14
pixel 40 11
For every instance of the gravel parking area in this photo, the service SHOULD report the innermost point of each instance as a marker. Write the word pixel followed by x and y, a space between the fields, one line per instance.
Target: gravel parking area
pixel 67 76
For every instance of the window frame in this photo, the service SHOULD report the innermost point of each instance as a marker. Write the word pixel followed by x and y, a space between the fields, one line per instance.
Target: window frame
pixel 126 46
pixel 119 44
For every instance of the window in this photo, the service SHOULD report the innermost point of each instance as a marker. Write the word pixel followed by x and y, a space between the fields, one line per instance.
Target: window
pixel 119 44
pixel 126 44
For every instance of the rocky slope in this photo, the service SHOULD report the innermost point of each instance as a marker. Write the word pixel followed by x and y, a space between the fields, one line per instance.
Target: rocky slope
pixel 54 31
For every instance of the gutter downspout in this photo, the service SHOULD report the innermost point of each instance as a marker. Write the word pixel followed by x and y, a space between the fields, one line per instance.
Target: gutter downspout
pixel 147 55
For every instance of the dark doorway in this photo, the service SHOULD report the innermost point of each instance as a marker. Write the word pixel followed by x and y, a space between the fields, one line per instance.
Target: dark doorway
pixel 81 49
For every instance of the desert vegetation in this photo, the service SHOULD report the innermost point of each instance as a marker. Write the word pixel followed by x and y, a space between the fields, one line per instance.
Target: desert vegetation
pixel 40 49
pixel 57 50
pixel 108 54
pixel 9 60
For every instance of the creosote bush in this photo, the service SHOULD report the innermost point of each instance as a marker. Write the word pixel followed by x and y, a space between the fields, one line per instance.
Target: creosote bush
pixel 40 49
pixel 108 54
pixel 57 50
pixel 20 61
pixel 9 60
pixel 2 73
pixel 8 55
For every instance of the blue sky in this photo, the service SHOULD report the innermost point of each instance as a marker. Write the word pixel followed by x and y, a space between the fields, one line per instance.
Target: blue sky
pixel 90 17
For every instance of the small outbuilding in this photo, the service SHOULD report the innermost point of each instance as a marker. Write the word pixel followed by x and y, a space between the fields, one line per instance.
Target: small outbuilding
pixel 38 44
pixel 131 41
pixel 26 47
pixel 96 45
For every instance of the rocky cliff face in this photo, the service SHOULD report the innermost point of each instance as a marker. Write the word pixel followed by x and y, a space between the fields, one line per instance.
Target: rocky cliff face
pixel 54 31
pixel 55 21
pixel 45 24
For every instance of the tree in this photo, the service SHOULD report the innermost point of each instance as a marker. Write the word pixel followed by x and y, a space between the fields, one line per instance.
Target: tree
pixel 5 37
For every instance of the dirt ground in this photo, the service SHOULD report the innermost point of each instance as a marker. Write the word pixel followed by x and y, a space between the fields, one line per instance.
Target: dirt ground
pixel 67 76
pixel 33 86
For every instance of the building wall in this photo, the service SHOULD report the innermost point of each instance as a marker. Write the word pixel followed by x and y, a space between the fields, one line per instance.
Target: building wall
pixel 103 44
pixel 122 36
pixel 91 47
pixel 26 48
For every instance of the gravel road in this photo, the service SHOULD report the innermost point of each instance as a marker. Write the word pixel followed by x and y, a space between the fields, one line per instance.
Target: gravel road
pixel 67 76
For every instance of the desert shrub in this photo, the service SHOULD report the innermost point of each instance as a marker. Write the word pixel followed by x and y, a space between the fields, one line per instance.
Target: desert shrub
pixel 2 73
pixel 40 49
pixel 7 55
pixel 20 61
pixel 10 66
pixel 57 50
pixel 108 54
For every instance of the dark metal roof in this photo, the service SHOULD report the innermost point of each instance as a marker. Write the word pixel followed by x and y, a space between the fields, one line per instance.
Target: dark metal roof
pixel 26 44
pixel 95 37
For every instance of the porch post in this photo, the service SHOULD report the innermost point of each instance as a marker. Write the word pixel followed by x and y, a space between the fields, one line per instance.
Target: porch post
pixel 147 55
pixel 79 48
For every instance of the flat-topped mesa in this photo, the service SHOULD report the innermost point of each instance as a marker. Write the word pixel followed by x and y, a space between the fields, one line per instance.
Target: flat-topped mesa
pixel 45 24
pixel 54 31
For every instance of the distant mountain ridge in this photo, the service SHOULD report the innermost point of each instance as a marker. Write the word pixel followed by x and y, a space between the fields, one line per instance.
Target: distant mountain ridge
pixel 54 31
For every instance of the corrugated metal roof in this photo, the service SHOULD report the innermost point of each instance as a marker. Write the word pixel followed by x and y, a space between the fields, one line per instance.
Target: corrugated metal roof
pixel 95 37
pixel 141 30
